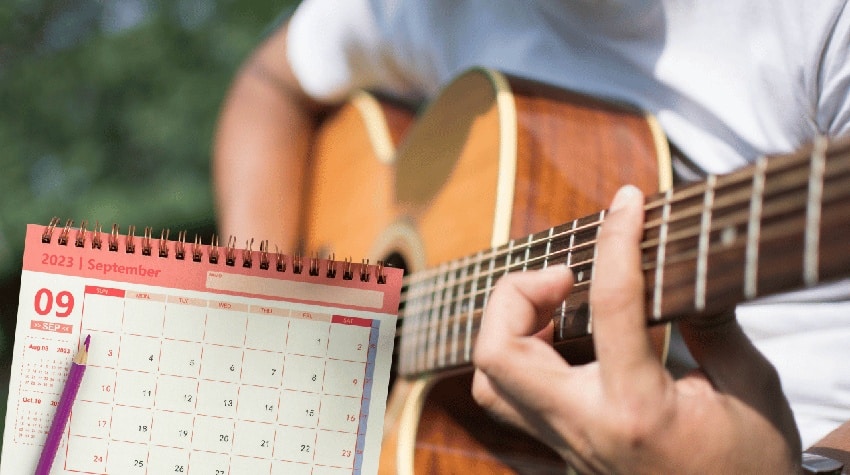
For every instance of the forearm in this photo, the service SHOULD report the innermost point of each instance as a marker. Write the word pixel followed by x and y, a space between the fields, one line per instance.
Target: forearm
pixel 260 151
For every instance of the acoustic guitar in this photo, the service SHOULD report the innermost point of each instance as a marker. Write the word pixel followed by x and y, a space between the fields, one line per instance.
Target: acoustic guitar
pixel 458 195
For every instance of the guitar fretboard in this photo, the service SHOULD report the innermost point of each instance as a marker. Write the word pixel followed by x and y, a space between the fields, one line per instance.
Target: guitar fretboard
pixel 777 225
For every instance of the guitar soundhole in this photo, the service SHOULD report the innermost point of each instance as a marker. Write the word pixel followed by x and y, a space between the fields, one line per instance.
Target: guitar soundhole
pixel 396 260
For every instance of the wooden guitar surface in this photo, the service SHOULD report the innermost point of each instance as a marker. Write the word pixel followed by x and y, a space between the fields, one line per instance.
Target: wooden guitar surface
pixel 491 159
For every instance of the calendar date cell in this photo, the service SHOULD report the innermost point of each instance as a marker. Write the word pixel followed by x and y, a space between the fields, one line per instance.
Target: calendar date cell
pixel 127 458
pixel 262 368
pixel 130 424
pixel 91 419
pixel 172 429
pixel 143 314
pixel 336 448
pixel 280 467
pixel 249 465
pixel 308 337
pixel 344 378
pixel 305 373
pixel 185 319
pixel 258 404
pixel 226 326
pixel 105 351
pixel 221 363
pixel 295 444
pixel 98 385
pixel 299 409
pixel 340 413
pixel 168 460
pixel 103 312
pixel 175 393
pixel 213 434
pixel 139 353
pixel 349 342
pixel 180 358
pixel 217 399
pixel 254 439
pixel 205 463
pixel 266 332
pixel 86 455
pixel 134 388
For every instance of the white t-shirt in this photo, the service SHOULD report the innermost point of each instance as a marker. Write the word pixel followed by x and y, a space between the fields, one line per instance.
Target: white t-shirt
pixel 728 80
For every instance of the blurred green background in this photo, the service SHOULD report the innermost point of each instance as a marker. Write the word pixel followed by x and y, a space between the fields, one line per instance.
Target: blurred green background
pixel 107 110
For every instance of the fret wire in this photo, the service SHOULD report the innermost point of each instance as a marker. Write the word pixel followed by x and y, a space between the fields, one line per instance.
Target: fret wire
pixel 456 321
pixel 813 212
pixel 450 307
pixel 659 263
pixel 507 260
pixel 704 235
pixel 548 247
pixel 602 215
pixel 422 335
pixel 753 227
pixel 571 264
pixel 471 315
pixel 471 326
pixel 527 250
pixel 410 330
pixel 568 261
pixel 415 328
pixel 435 314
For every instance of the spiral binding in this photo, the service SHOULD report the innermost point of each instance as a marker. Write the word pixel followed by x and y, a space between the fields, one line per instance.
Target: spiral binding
pixel 195 251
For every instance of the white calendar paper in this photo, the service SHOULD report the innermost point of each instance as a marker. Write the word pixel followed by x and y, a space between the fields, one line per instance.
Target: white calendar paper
pixel 198 367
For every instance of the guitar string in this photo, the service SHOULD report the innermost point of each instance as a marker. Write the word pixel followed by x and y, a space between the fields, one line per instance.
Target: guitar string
pixel 538 261
pixel 580 289
pixel 499 254
pixel 444 353
pixel 649 265
pixel 454 299
pixel 739 199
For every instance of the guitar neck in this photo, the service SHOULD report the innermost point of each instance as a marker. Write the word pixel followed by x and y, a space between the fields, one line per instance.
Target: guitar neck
pixel 775 226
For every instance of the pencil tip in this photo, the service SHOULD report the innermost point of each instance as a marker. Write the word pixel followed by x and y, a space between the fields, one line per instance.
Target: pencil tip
pixel 86 343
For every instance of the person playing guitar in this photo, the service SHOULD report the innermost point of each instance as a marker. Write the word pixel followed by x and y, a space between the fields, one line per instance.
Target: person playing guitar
pixel 726 83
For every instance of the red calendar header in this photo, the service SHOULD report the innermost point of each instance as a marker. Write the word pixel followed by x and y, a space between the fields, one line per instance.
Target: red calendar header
pixel 230 271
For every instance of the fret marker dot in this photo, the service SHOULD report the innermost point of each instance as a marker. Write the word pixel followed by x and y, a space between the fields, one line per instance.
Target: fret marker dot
pixel 728 235
pixel 580 276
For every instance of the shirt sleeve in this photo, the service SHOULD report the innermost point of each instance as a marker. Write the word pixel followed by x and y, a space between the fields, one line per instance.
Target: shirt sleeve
pixel 833 115
pixel 335 47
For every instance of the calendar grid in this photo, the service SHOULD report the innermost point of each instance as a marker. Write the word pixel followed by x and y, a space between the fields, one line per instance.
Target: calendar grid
pixel 186 378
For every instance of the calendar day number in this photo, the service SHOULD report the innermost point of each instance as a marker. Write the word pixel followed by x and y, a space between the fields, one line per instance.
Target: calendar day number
pixel 61 304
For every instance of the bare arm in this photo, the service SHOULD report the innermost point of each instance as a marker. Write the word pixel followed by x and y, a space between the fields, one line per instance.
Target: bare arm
pixel 260 151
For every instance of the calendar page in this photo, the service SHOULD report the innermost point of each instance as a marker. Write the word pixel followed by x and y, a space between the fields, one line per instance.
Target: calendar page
pixel 255 363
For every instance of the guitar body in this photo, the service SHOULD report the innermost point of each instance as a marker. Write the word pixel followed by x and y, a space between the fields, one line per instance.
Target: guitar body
pixel 491 159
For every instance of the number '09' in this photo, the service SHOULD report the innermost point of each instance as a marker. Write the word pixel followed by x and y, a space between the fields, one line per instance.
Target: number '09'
pixel 44 301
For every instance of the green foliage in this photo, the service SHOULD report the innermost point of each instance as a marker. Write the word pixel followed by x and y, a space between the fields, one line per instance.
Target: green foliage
pixel 107 111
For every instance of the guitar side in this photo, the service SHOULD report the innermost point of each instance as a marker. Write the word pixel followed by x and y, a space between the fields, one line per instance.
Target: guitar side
pixel 492 158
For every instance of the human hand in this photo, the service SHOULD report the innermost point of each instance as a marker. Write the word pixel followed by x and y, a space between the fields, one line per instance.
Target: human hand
pixel 624 413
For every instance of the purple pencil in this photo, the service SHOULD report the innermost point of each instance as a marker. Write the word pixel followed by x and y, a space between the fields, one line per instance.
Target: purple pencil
pixel 63 410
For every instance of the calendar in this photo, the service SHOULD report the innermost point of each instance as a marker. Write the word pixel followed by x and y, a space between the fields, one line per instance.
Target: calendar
pixel 204 359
